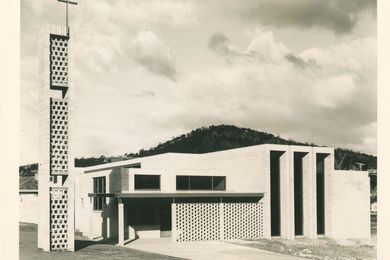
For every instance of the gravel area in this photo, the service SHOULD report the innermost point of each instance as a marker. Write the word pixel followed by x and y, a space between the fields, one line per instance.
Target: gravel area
pixel 322 248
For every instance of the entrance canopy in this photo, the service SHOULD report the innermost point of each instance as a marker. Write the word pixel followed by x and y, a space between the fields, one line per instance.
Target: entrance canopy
pixel 178 195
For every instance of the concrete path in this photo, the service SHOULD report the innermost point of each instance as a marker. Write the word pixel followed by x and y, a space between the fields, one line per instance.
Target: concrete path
pixel 214 250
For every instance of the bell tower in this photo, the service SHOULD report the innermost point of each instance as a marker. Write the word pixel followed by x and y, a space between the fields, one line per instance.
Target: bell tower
pixel 56 162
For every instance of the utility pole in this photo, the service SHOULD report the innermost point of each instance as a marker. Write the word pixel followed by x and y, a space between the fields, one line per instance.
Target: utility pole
pixel 361 166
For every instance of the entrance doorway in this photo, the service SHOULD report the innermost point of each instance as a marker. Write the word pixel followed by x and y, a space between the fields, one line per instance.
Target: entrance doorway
pixel 149 217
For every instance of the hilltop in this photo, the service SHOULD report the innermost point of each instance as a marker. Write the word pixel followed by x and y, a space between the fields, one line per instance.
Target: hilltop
pixel 223 137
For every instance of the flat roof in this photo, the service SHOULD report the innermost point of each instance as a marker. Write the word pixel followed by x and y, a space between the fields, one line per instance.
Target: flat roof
pixel 177 195
pixel 132 161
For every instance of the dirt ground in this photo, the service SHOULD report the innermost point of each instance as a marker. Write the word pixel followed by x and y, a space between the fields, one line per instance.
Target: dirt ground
pixel 323 248
pixel 319 249
pixel 85 249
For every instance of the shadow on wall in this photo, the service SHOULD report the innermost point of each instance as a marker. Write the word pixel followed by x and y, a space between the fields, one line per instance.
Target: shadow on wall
pixel 110 209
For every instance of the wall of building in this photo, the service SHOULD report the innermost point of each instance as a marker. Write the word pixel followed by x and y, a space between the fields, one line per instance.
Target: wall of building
pixel 350 204
pixel 28 207
pixel 246 170
pixel 96 223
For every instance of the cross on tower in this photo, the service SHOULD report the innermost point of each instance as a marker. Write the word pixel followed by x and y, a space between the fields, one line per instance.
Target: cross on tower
pixel 67 2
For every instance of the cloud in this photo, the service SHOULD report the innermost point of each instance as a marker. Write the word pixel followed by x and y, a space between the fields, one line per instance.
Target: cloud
pixel 154 54
pixel 298 61
pixel 262 48
pixel 339 16
pixel 124 50
pixel 143 94
pixel 334 103
pixel 219 43
pixel 264 44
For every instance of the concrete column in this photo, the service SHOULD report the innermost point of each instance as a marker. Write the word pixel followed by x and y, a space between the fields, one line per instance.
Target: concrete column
pixel 309 196
pixel 329 168
pixel 44 212
pixel 290 221
pixel 286 196
pixel 121 228
pixel 266 199
pixel 71 212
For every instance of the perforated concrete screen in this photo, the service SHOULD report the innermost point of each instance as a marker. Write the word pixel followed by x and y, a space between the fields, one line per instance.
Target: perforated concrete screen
pixel 59 136
pixel 243 220
pixel 217 221
pixel 58 218
pixel 197 221
pixel 58 60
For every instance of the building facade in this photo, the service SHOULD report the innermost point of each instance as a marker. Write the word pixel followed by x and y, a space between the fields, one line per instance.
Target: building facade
pixel 252 192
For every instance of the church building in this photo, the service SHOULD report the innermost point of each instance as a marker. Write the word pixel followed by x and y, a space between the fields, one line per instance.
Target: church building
pixel 261 191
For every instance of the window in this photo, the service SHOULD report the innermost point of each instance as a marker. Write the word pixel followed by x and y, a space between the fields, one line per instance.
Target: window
pixel 219 183
pixel 147 182
pixel 200 183
pixel 182 182
pixel 99 187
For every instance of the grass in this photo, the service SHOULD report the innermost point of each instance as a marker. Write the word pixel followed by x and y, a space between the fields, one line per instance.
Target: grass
pixel 319 249
pixel 85 249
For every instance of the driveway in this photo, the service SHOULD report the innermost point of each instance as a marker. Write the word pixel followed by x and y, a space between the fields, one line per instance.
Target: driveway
pixel 204 250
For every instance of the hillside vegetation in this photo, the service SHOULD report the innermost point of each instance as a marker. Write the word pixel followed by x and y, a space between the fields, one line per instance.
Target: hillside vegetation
pixel 223 137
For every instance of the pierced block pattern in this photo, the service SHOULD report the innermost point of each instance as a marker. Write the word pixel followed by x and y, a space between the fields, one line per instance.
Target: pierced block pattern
pixel 197 221
pixel 58 136
pixel 243 220
pixel 59 60
pixel 58 218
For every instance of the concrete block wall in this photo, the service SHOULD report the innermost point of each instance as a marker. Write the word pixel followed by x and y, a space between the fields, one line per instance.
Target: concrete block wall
pixel 246 170
pixel 96 223
pixel 350 213
pixel 309 188
pixel 243 168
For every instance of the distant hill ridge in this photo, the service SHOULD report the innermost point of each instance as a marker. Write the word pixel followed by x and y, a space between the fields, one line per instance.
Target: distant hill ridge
pixel 223 137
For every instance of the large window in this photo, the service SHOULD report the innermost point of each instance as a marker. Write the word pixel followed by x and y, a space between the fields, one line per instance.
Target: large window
pixel 200 182
pixel 147 182
pixel 99 186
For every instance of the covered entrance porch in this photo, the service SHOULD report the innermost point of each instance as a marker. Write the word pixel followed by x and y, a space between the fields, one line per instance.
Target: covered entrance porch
pixel 155 215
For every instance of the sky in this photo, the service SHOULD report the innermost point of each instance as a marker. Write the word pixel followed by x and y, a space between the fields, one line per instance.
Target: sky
pixel 147 71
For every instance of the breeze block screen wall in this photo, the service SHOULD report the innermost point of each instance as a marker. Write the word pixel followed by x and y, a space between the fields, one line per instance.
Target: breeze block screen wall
pixel 243 220
pixel 58 136
pixel 58 218
pixel 216 221
pixel 197 221
pixel 58 60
